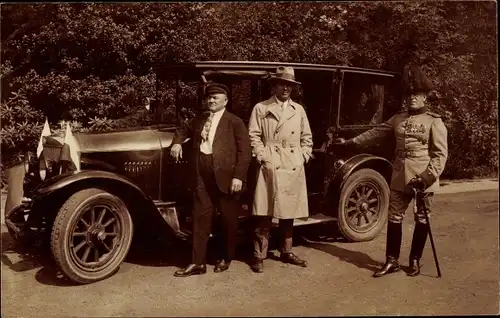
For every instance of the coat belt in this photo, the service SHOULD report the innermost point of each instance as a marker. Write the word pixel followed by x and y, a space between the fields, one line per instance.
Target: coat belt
pixel 282 143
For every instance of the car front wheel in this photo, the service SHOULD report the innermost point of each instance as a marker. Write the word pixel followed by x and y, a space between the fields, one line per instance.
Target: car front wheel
pixel 363 205
pixel 91 235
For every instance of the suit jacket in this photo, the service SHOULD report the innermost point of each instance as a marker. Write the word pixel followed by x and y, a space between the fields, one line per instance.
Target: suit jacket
pixel 231 148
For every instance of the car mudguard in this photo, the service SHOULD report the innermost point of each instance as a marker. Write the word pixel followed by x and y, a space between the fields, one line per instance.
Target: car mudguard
pixel 364 160
pixel 76 180
pixel 66 179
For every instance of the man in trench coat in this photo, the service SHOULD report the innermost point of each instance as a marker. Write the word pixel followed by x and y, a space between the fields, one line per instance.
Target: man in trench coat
pixel 281 140
pixel 221 151
pixel 421 154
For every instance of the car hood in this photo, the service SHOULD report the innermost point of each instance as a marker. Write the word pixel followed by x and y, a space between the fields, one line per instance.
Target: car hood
pixel 144 139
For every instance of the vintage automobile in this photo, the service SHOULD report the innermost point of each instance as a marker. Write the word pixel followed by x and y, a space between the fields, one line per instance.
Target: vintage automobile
pixel 128 184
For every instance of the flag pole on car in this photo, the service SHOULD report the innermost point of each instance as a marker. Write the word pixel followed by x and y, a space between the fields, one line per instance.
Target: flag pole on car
pixel 45 133
pixel 70 150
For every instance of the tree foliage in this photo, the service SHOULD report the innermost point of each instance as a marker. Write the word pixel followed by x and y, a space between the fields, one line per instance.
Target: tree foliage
pixel 92 62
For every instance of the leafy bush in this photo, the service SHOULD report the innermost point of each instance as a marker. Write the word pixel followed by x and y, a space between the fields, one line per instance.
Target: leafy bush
pixel 94 63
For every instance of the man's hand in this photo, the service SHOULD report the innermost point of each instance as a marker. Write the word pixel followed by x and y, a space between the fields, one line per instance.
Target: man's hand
pixel 176 151
pixel 339 141
pixel 417 183
pixel 236 185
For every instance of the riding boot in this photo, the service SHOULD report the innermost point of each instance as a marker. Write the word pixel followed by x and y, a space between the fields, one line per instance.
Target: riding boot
pixel 417 247
pixel 393 247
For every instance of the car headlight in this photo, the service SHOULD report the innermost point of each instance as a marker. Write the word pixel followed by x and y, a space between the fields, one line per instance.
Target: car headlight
pixel 338 164
pixel 27 162
pixel 42 167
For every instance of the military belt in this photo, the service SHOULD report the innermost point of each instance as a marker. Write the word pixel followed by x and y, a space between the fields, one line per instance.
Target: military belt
pixel 406 154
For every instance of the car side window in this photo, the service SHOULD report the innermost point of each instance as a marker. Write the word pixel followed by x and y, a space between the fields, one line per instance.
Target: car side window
pixel 363 99
pixel 241 98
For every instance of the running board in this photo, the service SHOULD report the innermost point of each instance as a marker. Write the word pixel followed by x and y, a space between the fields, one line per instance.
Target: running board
pixel 313 219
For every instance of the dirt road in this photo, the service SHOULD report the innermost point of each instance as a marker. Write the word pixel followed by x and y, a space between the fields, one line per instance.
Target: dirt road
pixel 337 282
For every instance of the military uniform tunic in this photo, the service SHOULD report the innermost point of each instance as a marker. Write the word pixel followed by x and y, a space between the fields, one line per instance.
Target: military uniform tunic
pixel 421 150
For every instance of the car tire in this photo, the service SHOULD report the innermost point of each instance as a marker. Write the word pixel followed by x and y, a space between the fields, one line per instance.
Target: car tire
pixel 363 205
pixel 91 235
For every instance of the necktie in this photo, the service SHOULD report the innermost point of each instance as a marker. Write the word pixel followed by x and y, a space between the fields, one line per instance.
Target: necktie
pixel 206 128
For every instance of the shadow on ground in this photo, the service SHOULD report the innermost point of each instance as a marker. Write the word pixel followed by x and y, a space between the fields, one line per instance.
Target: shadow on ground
pixel 22 258
pixel 329 241
pixel 162 252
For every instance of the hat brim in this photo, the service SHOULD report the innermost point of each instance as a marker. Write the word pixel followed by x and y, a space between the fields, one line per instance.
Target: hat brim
pixel 281 79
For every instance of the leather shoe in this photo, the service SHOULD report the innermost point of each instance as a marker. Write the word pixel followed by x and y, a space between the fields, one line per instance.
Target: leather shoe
pixel 291 258
pixel 390 266
pixel 414 268
pixel 191 269
pixel 257 266
pixel 221 266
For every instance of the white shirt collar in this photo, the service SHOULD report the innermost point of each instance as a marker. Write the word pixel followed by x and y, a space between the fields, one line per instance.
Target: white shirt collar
pixel 219 113
pixel 284 104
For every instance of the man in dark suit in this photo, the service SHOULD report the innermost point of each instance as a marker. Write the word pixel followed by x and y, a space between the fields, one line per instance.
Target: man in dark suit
pixel 221 154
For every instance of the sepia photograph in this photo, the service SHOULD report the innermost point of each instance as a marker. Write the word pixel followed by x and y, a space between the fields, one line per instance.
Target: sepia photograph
pixel 245 158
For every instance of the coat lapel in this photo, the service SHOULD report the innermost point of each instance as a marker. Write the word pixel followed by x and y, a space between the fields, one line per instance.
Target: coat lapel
pixel 198 127
pixel 221 125
pixel 273 109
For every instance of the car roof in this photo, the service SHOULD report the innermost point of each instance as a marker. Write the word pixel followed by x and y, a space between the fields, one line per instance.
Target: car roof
pixel 253 65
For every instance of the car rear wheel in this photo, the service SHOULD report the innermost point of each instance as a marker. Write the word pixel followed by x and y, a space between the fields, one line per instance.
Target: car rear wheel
pixel 91 235
pixel 363 205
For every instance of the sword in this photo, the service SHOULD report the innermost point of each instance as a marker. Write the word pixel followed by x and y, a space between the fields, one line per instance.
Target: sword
pixel 418 195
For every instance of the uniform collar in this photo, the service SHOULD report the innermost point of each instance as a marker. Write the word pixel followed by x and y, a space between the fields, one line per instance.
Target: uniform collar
pixel 419 111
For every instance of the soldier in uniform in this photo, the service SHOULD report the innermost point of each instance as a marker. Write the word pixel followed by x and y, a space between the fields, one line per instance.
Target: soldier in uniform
pixel 421 154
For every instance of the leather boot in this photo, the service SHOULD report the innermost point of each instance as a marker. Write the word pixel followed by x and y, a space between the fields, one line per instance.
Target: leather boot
pixel 191 269
pixel 291 258
pixel 393 247
pixel 257 265
pixel 417 247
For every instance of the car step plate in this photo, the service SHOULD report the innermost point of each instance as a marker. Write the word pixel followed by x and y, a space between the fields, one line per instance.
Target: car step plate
pixel 313 219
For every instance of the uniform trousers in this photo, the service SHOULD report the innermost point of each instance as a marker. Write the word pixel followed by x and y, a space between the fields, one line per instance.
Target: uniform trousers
pixel 206 197
pixel 399 201
pixel 262 231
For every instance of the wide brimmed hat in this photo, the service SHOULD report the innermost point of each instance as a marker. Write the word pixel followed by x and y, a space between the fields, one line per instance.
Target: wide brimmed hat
pixel 284 73
pixel 415 81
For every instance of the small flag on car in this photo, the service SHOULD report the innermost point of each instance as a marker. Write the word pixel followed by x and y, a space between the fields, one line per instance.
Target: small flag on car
pixel 45 133
pixel 70 150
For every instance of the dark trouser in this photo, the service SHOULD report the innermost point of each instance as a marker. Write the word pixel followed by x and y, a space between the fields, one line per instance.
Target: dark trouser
pixel 206 197
pixel 262 231
pixel 398 204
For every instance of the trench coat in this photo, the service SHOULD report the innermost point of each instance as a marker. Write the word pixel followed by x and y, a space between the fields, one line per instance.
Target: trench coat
pixel 421 147
pixel 282 143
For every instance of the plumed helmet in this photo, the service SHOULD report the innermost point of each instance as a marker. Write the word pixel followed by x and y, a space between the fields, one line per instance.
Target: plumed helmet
pixel 414 80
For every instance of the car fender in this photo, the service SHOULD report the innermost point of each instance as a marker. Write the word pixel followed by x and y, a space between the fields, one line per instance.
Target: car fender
pixel 67 179
pixel 364 160
pixel 146 211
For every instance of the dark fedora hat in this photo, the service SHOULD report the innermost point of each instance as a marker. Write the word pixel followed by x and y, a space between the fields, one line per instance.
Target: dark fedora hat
pixel 283 73
pixel 216 88
pixel 414 80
